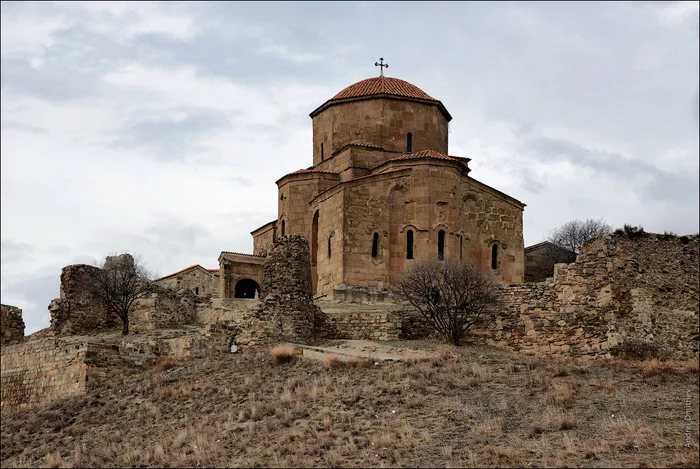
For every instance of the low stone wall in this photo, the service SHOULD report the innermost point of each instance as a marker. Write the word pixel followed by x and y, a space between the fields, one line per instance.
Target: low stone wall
pixel 34 372
pixel 373 326
pixel 11 325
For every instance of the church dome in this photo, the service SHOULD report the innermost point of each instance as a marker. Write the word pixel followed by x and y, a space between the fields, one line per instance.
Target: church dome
pixel 383 85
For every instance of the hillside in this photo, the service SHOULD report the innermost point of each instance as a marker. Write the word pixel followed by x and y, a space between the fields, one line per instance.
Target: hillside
pixel 472 406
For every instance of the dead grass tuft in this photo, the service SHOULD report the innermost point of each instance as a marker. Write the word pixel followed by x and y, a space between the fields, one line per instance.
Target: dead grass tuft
pixel 282 354
pixel 655 367
pixel 166 363
pixel 333 361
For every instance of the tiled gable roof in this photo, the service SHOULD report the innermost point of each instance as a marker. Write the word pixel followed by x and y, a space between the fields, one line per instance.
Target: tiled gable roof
pixel 433 154
pixel 185 270
pixel 383 85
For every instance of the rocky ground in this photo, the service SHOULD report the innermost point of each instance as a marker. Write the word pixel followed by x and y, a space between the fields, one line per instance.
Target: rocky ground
pixel 471 406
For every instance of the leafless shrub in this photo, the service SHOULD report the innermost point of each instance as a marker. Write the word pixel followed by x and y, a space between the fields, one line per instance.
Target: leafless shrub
pixel 639 350
pixel 123 280
pixel 452 296
pixel 165 363
pixel 572 234
pixel 333 361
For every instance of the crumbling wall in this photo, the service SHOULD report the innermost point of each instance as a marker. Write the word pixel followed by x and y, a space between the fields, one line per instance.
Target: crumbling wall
pixel 164 309
pixel 11 325
pixel 620 289
pixel 77 311
pixel 287 291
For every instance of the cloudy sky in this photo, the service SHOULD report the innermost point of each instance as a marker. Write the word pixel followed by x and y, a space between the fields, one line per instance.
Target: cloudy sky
pixel 161 128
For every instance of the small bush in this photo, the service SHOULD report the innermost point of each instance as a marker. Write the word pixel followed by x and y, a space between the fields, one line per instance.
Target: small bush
pixel 282 354
pixel 165 363
pixel 639 350
pixel 333 361
pixel 632 232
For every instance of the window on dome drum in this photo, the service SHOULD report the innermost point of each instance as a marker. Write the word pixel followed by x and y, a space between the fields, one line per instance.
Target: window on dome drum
pixel 196 291
pixel 330 238
pixel 282 227
pixel 409 142
pixel 375 245
pixel 322 152
pixel 409 244
pixel 441 244
pixel 494 256
pixel 461 239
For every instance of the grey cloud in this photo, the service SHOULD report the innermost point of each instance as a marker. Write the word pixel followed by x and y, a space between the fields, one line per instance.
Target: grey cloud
pixel 33 296
pixel 14 125
pixel 167 136
pixel 15 251
pixel 650 182
pixel 238 180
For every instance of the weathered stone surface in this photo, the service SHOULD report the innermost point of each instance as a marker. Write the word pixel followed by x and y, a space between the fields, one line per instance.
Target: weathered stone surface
pixel 11 325
pixel 77 311
pixel 203 282
pixel 286 290
pixel 619 289
pixel 164 309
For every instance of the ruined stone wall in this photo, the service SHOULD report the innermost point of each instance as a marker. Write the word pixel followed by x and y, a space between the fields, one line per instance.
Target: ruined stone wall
pixel 619 289
pixel 11 325
pixel 37 371
pixel 76 311
pixel 540 260
pixel 287 289
pixel 368 326
pixel 163 310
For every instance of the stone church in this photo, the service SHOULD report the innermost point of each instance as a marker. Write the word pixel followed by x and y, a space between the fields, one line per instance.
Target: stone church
pixel 383 192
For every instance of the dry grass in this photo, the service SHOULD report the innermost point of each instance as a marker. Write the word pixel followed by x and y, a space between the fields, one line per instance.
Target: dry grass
pixel 282 354
pixel 165 363
pixel 476 407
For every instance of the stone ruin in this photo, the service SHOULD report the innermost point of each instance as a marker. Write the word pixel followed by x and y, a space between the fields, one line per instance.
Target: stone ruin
pixel 12 325
pixel 287 293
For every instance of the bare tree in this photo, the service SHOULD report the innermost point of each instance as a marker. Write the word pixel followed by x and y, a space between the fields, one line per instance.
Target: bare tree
pixel 572 234
pixel 122 281
pixel 452 296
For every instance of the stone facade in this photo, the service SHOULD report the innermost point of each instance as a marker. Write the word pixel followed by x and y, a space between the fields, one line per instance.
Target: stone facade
pixel 240 275
pixel 76 311
pixel 540 259
pixel 383 192
pixel 619 289
pixel 11 325
pixel 201 281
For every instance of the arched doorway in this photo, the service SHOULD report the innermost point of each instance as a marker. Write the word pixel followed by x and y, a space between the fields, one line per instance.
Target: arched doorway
pixel 246 288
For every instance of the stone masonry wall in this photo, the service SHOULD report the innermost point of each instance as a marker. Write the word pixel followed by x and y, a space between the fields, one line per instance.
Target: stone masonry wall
pixel 286 290
pixel 34 372
pixel 76 311
pixel 618 290
pixel 11 325
pixel 165 309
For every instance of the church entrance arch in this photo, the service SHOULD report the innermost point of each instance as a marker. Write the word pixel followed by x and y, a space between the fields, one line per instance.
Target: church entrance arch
pixel 246 288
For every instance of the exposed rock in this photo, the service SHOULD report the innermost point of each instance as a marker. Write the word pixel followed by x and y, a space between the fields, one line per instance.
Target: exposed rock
pixel 11 325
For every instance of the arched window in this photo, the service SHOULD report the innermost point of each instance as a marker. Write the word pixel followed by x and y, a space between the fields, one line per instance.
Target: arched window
pixel 441 244
pixel 322 152
pixel 282 227
pixel 409 244
pixel 494 256
pixel 409 142
pixel 196 291
pixel 314 239
pixel 461 242
pixel 375 245
pixel 330 238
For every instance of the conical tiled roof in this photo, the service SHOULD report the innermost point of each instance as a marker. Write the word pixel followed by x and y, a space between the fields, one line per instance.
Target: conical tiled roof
pixel 383 85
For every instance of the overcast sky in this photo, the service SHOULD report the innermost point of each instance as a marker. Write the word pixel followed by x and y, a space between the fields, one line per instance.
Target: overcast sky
pixel 161 128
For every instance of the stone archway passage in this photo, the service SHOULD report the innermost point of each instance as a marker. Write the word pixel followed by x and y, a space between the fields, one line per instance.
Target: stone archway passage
pixel 246 288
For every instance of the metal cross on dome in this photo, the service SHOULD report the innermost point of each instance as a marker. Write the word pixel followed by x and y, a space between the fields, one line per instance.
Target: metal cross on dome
pixel 381 66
